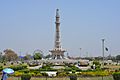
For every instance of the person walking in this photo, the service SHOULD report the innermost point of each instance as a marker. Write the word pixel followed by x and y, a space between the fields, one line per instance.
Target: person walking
pixel 4 76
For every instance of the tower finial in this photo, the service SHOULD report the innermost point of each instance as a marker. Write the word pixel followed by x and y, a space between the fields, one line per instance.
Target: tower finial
pixel 57 13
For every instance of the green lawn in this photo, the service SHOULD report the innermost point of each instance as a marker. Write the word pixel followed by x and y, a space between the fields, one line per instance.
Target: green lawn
pixel 65 78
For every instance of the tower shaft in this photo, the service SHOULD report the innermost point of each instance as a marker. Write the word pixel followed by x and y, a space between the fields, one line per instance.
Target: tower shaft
pixel 57 37
pixel 57 52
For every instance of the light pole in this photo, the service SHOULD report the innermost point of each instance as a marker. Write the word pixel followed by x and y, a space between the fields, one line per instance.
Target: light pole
pixel 103 40
pixel 80 52
pixel 0 56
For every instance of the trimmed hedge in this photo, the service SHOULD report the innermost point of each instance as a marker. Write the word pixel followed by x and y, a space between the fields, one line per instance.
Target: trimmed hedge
pixel 17 74
pixel 116 76
pixel 70 68
pixel 19 67
pixel 26 76
pixel 1 68
pixel 73 76
pixel 93 74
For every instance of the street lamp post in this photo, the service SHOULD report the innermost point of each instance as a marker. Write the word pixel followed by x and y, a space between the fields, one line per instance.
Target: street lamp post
pixel 80 53
pixel 103 40
pixel 1 56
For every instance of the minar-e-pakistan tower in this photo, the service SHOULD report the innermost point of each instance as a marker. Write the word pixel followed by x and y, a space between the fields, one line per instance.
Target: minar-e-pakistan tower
pixel 57 52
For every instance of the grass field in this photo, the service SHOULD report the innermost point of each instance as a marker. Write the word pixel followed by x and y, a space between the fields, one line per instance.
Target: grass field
pixel 65 78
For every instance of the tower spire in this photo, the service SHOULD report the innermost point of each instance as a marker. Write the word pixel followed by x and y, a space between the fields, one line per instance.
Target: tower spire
pixel 57 13
pixel 57 52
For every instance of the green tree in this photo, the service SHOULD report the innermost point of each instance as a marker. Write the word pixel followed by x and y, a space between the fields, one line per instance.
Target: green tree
pixel 118 57
pixel 96 62
pixel 37 56
pixel 10 55
pixel 27 57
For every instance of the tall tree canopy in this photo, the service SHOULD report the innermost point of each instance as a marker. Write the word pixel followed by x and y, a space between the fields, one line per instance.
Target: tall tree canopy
pixel 10 55
pixel 118 57
pixel 27 57
pixel 37 56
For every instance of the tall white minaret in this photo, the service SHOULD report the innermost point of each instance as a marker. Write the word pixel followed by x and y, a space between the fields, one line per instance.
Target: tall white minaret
pixel 57 52
pixel 57 37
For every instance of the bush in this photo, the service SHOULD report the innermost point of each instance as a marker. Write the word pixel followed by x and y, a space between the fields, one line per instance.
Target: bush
pixel 1 68
pixel 4 64
pixel 44 74
pixel 63 74
pixel 95 73
pixel 116 76
pixel 36 74
pixel 25 76
pixel 68 69
pixel 12 63
pixel 47 69
pixel 96 62
pixel 39 74
pixel 73 76
pixel 17 74
pixel 18 67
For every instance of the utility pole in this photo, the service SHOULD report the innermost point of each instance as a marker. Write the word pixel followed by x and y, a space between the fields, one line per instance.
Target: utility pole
pixel 0 56
pixel 20 56
pixel 80 53
pixel 103 40
pixel 103 47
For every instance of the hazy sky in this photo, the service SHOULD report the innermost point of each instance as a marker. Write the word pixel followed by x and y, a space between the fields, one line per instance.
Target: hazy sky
pixel 27 25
